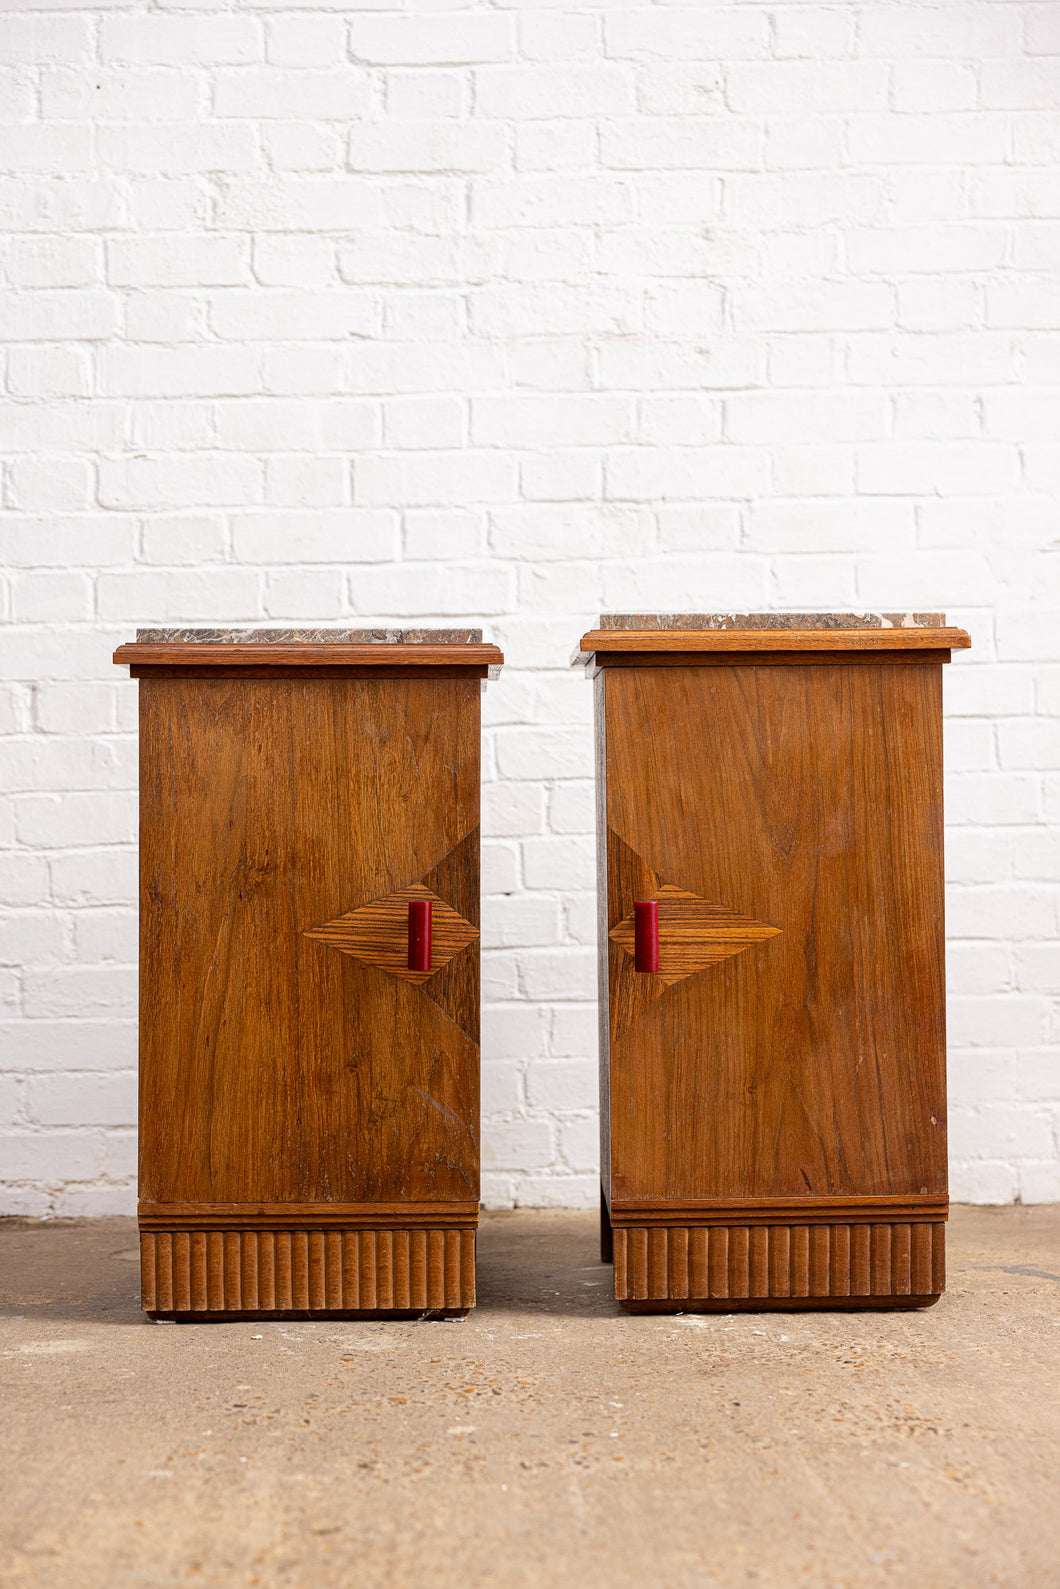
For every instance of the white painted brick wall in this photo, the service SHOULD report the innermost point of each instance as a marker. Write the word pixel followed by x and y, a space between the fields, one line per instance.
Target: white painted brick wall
pixel 503 314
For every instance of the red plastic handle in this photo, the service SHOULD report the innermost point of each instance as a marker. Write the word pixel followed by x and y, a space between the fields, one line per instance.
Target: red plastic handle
pixel 646 934
pixel 419 935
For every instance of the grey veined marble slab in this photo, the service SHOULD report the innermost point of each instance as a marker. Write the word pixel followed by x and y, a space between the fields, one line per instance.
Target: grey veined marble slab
pixel 345 637
pixel 772 620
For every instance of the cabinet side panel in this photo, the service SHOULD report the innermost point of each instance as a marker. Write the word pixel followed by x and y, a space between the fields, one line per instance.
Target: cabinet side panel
pixel 602 981
pixel 812 1061
pixel 274 1066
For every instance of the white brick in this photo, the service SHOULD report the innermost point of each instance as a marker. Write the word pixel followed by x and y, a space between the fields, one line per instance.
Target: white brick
pixel 553 146
pixel 340 95
pixel 56 484
pixel 518 1142
pixel 306 593
pixel 48 261
pixel 55 315
pixel 307 481
pixel 426 95
pixel 973 31
pixel 560 476
pixel 533 421
pixel 538 92
pixel 567 973
pixel 579 1144
pixel 423 40
pixel 558 201
pixel 891 470
pixel 281 424
pixel 43 40
pixel 509 810
pixel 433 478
pixel 39 371
pixel 557 36
pixel 290 261
pixel 806 417
pixel 172 594
pixel 266 315
pixel 82 1100
pixel 177 262
pixel 184 539
pixel 351 536
pixel 411 146
pixel 30 937
pixel 69 94
pixel 558 862
pixel 687 34
pixel 49 1157
pixel 24 877
pixel 542 753
pixel 501 1091
pixel 178 480
pixel 168 204
pixel 297 204
pixel 418 590
pixel 191 148
pixel 213 40
pixel 302 146
pixel 453 533
pixel 305 40
pixel 95 877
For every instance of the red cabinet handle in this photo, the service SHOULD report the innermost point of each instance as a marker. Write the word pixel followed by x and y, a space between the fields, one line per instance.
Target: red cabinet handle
pixel 646 934
pixel 419 935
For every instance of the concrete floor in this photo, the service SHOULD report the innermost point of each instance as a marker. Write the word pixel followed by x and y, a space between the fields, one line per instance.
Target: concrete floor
pixel 547 1440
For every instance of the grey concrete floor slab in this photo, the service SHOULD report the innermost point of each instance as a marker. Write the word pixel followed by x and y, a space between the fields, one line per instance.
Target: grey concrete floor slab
pixel 549 1439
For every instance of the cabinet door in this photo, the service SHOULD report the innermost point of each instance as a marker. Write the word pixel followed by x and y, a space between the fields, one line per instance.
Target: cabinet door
pixel 287 1054
pixel 789 821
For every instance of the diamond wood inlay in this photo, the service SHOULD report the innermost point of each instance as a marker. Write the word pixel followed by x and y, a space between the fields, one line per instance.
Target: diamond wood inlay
pixel 377 933
pixel 694 933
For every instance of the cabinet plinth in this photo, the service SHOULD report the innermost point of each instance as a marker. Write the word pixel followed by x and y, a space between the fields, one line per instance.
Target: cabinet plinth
pixel 308 1099
pixel 773 1125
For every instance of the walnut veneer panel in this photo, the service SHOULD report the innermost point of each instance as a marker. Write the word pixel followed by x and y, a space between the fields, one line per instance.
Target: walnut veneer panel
pixel 287 1058
pixel 797 812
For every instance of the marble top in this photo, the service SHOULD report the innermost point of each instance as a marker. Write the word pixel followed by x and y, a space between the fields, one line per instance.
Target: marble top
pixel 772 620
pixel 345 637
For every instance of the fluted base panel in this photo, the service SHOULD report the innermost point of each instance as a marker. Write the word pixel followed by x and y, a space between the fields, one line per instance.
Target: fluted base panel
pixel 254 1273
pixel 726 1268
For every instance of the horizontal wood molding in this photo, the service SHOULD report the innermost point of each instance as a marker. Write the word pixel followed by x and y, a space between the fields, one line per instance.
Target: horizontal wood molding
pixel 302 1271
pixel 610 660
pixel 305 654
pixel 813 1262
pixel 181 670
pixel 603 641
pixel 234 1217
pixel 779 1210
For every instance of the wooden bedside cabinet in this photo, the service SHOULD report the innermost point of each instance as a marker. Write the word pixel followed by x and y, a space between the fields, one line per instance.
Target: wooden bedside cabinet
pixel 309 970
pixel 769 797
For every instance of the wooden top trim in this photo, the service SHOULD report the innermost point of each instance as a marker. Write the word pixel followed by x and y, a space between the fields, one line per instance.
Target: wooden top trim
pixel 229 654
pixel 598 642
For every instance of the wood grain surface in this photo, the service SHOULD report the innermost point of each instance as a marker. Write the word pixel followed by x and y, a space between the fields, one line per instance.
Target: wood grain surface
pixel 274 1068
pixel 808 798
